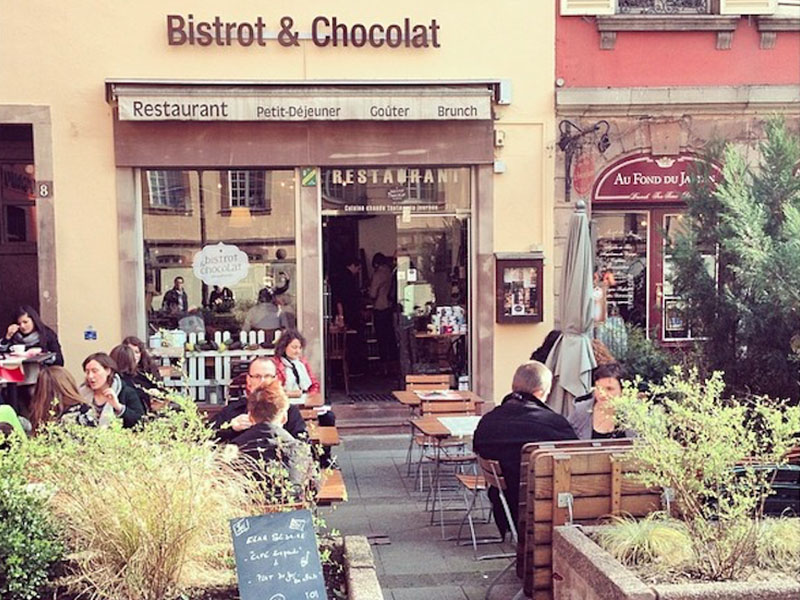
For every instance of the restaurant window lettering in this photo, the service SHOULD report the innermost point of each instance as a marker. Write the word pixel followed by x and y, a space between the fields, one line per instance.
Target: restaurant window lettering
pixel 189 211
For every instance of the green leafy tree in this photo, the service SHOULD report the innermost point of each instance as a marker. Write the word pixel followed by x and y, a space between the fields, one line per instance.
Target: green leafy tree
pixel 749 309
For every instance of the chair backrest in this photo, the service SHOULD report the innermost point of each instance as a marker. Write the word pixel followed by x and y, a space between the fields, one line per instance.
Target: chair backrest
pixel 337 346
pixel 428 382
pixel 452 407
pixel 492 473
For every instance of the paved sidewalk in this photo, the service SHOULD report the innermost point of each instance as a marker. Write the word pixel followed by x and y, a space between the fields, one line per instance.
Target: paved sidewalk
pixel 417 564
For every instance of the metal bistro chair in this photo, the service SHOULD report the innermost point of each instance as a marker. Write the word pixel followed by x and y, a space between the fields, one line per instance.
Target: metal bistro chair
pixel 417 383
pixel 493 474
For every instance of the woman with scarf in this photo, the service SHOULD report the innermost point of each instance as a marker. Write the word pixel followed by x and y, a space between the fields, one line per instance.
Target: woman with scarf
pixel 294 372
pixel 106 396
pixel 28 330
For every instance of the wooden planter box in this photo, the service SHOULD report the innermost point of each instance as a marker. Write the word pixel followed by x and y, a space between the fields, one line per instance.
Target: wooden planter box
pixel 582 570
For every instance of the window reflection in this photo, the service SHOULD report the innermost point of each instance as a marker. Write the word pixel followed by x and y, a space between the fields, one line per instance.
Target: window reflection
pixel 187 210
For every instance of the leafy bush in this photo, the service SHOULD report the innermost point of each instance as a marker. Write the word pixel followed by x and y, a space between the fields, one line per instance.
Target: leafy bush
pixel 146 512
pixel 709 449
pixel 29 540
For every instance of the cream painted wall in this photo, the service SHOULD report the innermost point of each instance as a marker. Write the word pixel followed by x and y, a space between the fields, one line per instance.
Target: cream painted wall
pixel 59 55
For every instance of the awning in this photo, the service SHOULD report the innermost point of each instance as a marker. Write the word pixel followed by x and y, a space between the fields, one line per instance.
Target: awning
pixel 175 101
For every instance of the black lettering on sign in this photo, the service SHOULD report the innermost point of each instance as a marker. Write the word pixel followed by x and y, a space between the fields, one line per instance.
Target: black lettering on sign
pixel 277 556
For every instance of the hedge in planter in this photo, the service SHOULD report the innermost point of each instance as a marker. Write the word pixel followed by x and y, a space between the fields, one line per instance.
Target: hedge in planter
pixel 690 438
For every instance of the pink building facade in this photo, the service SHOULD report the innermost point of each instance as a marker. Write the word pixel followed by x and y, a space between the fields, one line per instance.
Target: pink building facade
pixel 642 88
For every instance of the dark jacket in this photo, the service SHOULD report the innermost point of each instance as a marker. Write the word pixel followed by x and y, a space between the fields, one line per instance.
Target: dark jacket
pixel 265 442
pixel 48 342
pixel 294 423
pixel 520 419
pixel 86 414
pixel 139 383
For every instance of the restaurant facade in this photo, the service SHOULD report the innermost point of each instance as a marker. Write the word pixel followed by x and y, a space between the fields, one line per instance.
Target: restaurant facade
pixel 251 149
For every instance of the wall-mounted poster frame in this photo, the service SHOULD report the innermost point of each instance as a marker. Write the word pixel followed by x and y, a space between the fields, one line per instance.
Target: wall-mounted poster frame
pixel 518 288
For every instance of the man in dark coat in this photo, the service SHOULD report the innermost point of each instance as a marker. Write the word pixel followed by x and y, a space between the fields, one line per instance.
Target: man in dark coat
pixel 233 419
pixel 176 297
pixel 521 418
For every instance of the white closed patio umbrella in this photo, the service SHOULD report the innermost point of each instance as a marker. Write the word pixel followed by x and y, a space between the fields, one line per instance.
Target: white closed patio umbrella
pixel 572 359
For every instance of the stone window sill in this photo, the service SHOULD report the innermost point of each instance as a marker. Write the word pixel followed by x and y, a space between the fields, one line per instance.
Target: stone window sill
pixel 608 26
pixel 769 27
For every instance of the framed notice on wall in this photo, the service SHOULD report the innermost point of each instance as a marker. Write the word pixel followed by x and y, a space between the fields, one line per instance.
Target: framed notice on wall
pixel 518 288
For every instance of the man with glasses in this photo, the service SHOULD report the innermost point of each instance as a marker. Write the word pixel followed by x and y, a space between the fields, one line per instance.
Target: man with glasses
pixel 233 419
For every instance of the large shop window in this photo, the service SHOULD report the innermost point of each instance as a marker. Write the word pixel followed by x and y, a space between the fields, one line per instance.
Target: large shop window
pixel 185 211
pixel 621 276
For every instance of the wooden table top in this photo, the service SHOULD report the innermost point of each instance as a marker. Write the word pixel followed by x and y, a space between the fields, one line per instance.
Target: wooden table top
pixel 431 426
pixel 332 489
pixel 327 436
pixel 309 401
pixel 422 335
pixel 410 398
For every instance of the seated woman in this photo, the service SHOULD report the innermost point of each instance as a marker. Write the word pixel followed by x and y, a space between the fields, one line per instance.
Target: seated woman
pixel 266 440
pixel 294 372
pixel 125 358
pixel 146 368
pixel 594 418
pixel 55 393
pixel 106 396
pixel 28 330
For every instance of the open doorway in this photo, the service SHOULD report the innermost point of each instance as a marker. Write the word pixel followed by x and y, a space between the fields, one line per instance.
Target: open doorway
pixel 19 260
pixel 398 285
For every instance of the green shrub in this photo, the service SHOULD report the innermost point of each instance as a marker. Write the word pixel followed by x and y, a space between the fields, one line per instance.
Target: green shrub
pixel 644 358
pixel 145 512
pixel 29 540
pixel 709 449
pixel 657 540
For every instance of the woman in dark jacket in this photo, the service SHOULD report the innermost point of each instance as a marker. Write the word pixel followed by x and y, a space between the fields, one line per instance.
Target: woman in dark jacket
pixel 28 330
pixel 125 358
pixel 106 396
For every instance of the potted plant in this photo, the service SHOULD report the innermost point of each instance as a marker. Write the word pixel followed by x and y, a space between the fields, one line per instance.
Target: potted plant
pixel 715 458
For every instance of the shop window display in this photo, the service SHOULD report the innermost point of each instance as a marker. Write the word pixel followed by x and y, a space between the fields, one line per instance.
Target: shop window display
pixel 186 211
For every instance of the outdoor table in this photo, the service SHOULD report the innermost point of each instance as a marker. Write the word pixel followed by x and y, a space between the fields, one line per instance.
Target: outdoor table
pixel 327 436
pixel 308 400
pixel 332 489
pixel 439 429
pixel 21 370
pixel 412 399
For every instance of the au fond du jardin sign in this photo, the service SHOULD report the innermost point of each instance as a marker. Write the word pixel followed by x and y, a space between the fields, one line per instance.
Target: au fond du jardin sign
pixel 649 179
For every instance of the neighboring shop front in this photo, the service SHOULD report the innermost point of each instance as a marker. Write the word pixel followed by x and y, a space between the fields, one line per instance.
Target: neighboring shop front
pixel 397 126
pixel 635 189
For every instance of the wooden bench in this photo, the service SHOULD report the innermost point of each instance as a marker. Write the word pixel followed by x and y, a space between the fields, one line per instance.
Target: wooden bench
pixel 596 479
pixel 525 456
pixel 332 489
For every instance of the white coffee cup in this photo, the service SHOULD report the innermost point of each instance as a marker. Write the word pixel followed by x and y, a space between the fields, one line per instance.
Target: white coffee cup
pixel 18 349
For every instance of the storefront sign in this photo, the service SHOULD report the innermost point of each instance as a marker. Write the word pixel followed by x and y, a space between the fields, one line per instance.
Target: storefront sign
pixel 400 190
pixel 649 179
pixel 325 32
pixel 294 107
pixel 220 264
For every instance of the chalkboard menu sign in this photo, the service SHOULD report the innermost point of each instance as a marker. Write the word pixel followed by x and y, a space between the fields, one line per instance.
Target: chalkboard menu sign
pixel 277 557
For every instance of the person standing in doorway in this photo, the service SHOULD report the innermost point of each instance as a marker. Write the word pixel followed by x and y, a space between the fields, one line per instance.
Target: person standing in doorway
pixel 383 308
pixel 349 305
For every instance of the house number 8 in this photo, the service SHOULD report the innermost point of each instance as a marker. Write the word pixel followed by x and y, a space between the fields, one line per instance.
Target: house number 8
pixel 45 189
